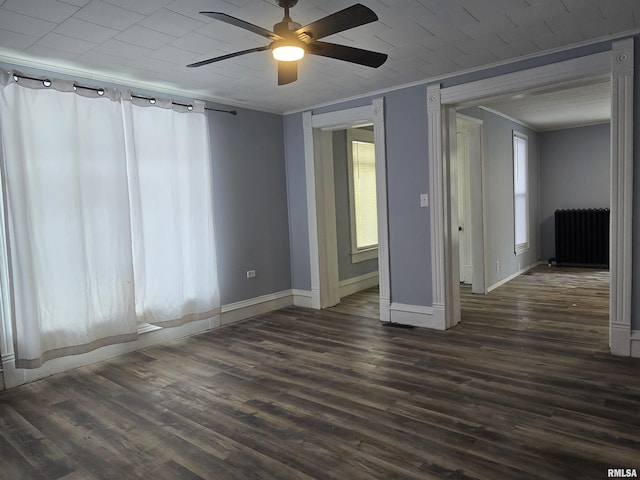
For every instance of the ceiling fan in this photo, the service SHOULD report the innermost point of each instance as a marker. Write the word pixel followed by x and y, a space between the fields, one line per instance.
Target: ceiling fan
pixel 290 41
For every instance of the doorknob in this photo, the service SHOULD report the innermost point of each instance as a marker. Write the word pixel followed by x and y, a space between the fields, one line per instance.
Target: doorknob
pixel 459 228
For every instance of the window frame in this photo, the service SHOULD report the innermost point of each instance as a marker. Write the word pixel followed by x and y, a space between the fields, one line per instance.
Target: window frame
pixel 370 252
pixel 520 248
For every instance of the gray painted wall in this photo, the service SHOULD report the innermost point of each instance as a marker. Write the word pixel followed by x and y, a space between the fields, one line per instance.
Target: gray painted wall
pixel 574 173
pixel 498 188
pixel 407 178
pixel 415 121
pixel 250 197
pixel 250 201
pixel 346 269
pixel 297 198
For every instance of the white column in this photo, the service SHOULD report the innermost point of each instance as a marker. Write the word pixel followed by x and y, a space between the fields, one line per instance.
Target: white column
pixel 621 196
pixel 383 209
pixel 436 213
pixel 311 209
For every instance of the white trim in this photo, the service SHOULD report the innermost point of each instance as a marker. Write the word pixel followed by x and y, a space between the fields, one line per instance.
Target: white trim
pixel 475 127
pixel 507 117
pixel 436 219
pixel 569 71
pixel 326 216
pixel 103 77
pixel 365 254
pixel 480 68
pixel 520 248
pixel 383 208
pixel 15 377
pixel 341 119
pixel 312 210
pixel 359 283
pixel 302 298
pixel 635 343
pixel 415 315
pixel 622 86
pixel 543 129
pixel 244 309
pixel 511 277
pixel 320 269
pixel 370 252
pixel 150 335
pixel 11 59
pixel 468 119
pixel 619 65
pixel 146 328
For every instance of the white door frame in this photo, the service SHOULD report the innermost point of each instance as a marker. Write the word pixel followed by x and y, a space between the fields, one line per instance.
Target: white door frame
pixel 476 214
pixel 321 200
pixel 618 64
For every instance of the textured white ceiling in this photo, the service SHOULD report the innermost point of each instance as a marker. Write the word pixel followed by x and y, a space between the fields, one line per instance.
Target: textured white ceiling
pixel 138 42
pixel 559 108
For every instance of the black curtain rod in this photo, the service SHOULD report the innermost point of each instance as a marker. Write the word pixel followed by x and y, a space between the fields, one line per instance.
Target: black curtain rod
pixel 230 112
pixel 47 83
pixel 100 91
pixel 190 107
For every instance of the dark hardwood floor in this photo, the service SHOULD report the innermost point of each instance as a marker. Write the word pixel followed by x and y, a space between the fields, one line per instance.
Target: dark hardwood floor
pixel 523 388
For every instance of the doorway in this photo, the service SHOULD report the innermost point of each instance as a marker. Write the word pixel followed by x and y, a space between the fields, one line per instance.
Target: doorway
pixel 470 175
pixel 321 208
pixel 356 214
pixel 442 104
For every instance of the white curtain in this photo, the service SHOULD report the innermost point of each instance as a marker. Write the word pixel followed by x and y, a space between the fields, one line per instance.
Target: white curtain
pixel 172 212
pixel 67 215
pixel 108 217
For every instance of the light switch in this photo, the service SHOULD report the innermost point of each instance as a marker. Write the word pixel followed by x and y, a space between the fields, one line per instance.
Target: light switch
pixel 424 199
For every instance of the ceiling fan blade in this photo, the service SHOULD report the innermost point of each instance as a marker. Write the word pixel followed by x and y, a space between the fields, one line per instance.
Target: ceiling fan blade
pixel 348 54
pixel 223 17
pixel 350 17
pixel 287 72
pixel 230 55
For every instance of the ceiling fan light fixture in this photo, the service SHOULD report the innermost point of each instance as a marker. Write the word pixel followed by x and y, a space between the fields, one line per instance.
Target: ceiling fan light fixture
pixel 290 41
pixel 287 52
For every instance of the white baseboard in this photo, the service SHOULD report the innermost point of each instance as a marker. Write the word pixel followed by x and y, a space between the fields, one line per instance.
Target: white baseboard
pixel 302 298
pixel 359 283
pixel 620 340
pixel 511 277
pixel 385 309
pixel 635 343
pixel 416 315
pixel 14 377
pixel 235 312
pixel 149 335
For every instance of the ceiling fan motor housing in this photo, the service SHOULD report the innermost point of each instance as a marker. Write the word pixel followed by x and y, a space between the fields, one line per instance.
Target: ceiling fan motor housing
pixel 286 27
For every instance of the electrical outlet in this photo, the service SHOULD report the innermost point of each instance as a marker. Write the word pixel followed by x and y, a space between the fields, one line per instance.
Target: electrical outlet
pixel 251 273
pixel 497 265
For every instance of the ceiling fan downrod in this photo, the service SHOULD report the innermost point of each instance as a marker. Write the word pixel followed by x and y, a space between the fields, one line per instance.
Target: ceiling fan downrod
pixel 287 25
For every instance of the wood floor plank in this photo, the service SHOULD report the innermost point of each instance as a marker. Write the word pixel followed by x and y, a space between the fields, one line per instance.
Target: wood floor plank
pixel 522 388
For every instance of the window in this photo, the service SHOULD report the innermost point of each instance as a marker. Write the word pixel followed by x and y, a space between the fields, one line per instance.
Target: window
pixel 520 193
pixel 109 218
pixel 362 194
